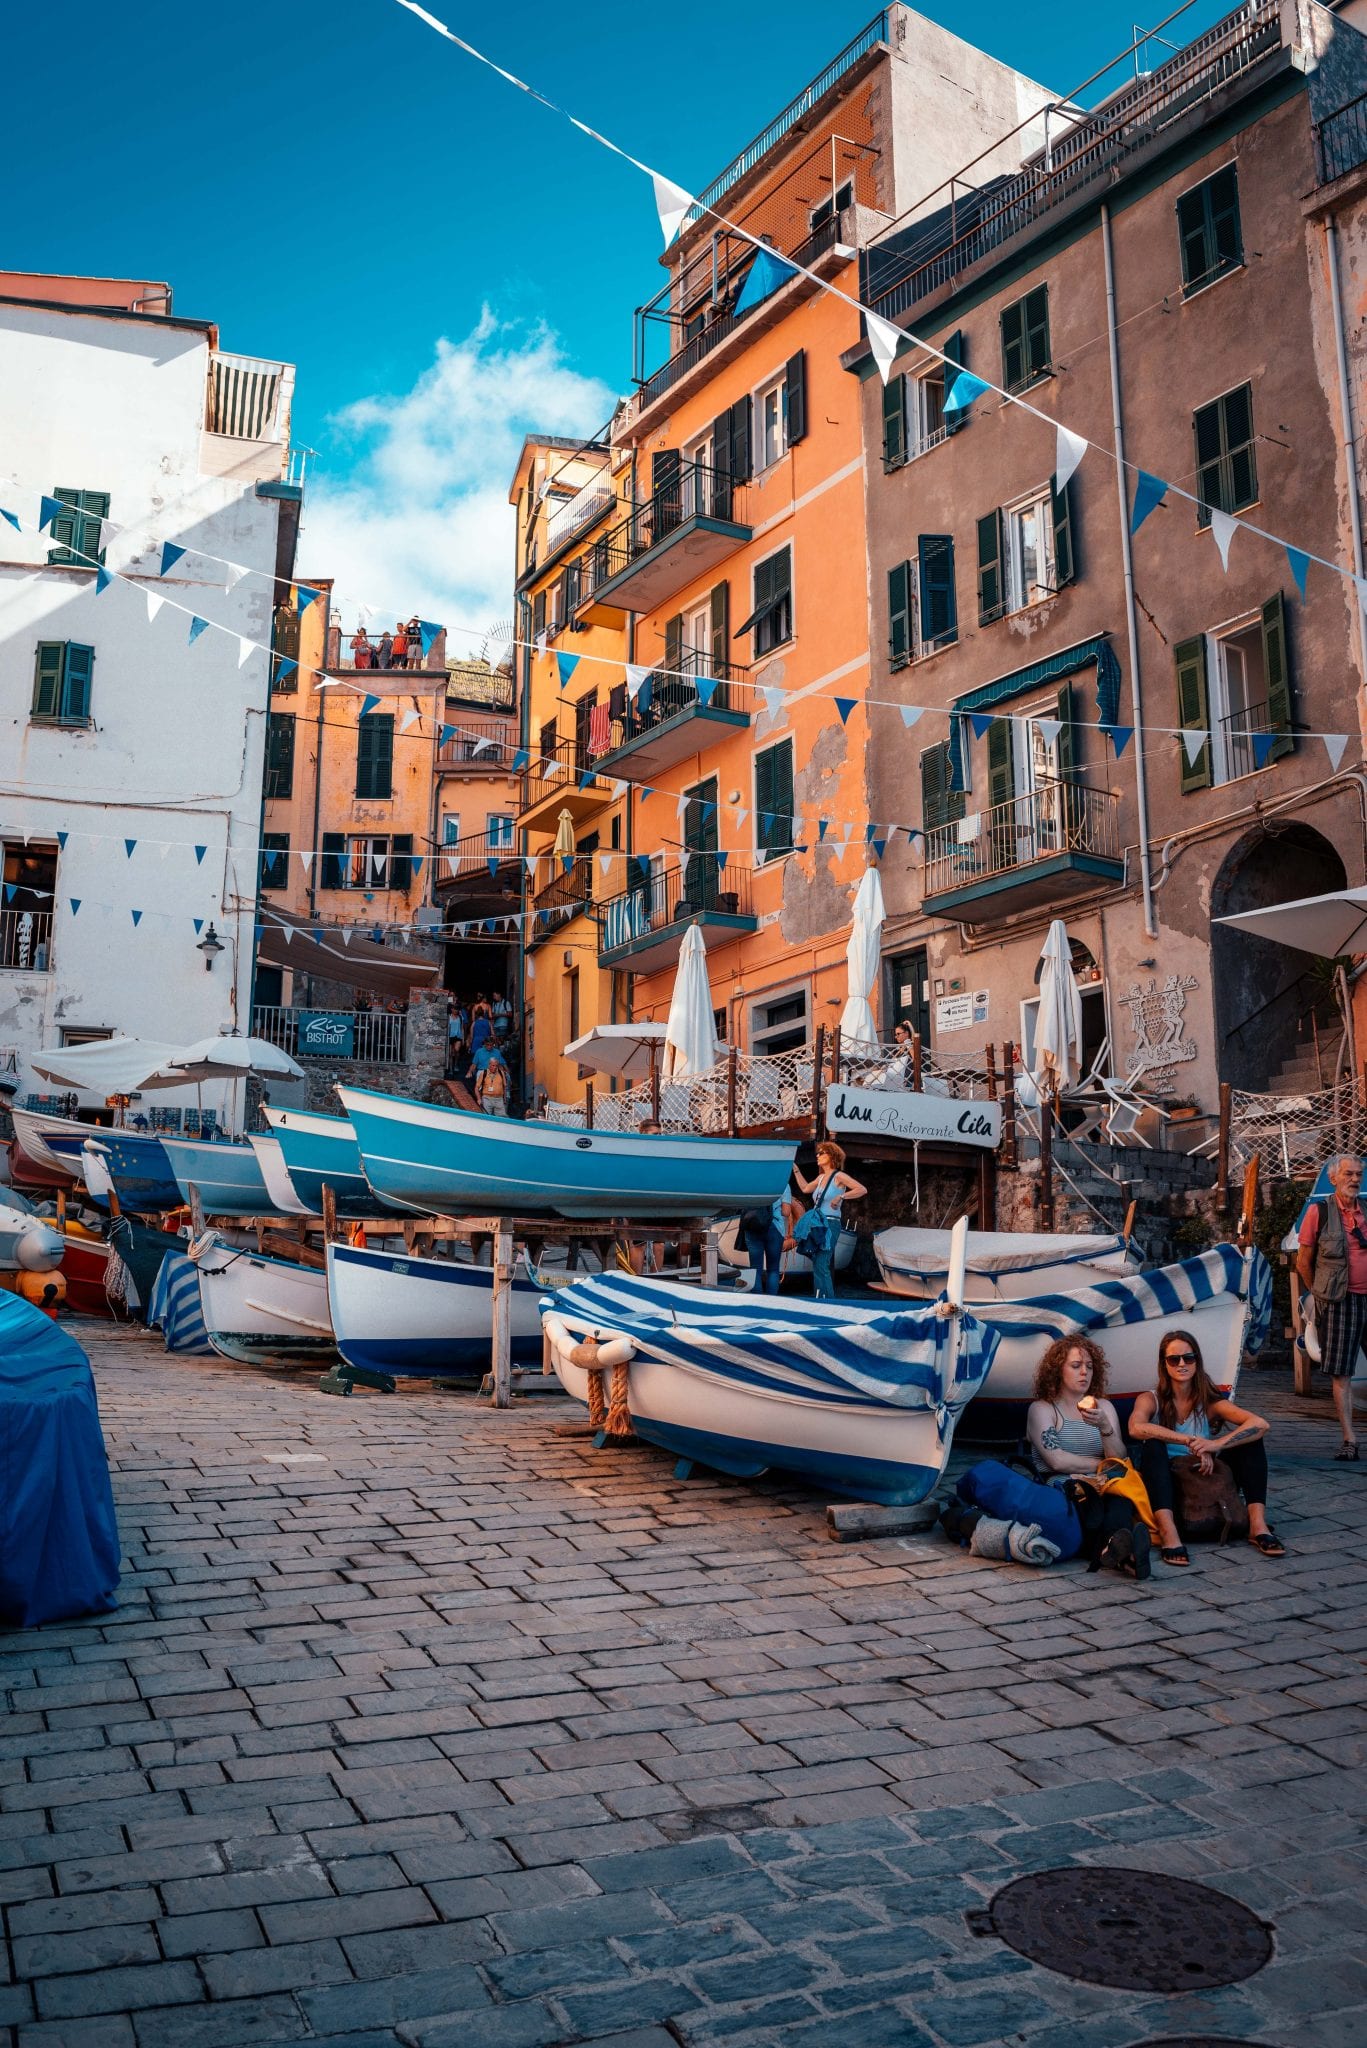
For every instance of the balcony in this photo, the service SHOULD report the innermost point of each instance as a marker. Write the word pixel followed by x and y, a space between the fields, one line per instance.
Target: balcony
pixel 478 746
pixel 1341 141
pixel 1058 841
pixel 477 876
pixel 360 653
pixel 26 941
pixel 572 515
pixel 564 897
pixel 379 1037
pixel 643 927
pixel 681 533
pixel 559 779
pixel 681 719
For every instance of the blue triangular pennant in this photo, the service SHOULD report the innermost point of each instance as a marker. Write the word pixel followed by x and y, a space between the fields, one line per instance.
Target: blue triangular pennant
pixel 197 626
pixel 709 811
pixel 962 392
pixel 128 846
pixel 13 520
pixel 493 863
pixel 1121 735
pixel 585 777
pixel 823 826
pixel 200 852
pixel 48 510
pixel 427 633
pixel 1263 743
pixel 722 858
pixel 845 705
pixel 870 831
pixel 520 760
pixel 878 845
pixel 11 891
pixel 448 732
pixel 644 695
pixel 287 668
pixel 566 664
pixel 1300 567
pixel 1149 493
pixel 416 864
pixel 62 838
pixel 75 903
pixel 707 690
pixel 103 579
pixel 368 705
pixel 306 595
pixel 170 555
pixel 198 923
pixel 766 274
pixel 980 722
pixel 136 916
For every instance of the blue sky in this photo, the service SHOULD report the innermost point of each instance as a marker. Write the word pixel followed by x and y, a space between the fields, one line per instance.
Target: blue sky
pixel 448 264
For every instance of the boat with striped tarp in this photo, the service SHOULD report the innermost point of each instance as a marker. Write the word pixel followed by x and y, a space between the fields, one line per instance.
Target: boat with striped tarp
pixel 1003 1265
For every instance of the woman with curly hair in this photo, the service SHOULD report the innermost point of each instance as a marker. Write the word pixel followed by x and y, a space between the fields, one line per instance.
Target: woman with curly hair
pixel 1071 1425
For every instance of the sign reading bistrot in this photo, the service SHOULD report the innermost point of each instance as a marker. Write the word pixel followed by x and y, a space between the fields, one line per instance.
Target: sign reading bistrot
pixel 326 1034
pixel 920 1119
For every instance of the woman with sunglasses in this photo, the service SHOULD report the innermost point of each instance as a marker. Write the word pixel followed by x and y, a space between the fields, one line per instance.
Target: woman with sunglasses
pixel 1188 1417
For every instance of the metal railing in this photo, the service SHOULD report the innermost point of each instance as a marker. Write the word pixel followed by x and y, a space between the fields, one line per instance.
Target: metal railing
pixel 1056 818
pixel 471 855
pixel 553 771
pixel 698 491
pixel 706 882
pixel 581 510
pixel 572 891
pixel 978 215
pixel 26 941
pixel 243 397
pixel 378 1037
pixel 479 743
pixel 676 690
pixel 1341 141
pixel 1237 733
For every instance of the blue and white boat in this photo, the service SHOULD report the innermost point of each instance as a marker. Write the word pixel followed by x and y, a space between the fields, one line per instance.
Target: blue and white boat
pixel 456 1162
pixel 321 1151
pixel 426 1317
pixel 260 1310
pixel 226 1174
pixel 136 1161
pixel 1002 1265
pixel 859 1403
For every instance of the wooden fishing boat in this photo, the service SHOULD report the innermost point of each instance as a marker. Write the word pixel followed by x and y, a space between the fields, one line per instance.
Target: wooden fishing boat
pixel 261 1310
pixel 136 1161
pixel 424 1317
pixel 85 1269
pixel 321 1151
pixel 227 1175
pixel 455 1162
pixel 1002 1265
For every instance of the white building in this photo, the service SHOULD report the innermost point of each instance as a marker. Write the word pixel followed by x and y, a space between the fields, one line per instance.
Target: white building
pixel 131 759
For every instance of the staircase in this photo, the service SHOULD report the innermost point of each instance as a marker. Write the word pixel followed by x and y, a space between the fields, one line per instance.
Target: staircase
pixel 1095 1184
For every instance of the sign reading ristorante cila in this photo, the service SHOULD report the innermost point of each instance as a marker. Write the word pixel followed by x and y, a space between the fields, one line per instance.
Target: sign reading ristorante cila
pixel 920 1119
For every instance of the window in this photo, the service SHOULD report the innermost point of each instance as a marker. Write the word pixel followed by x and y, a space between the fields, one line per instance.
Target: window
pixel 279 754
pixel 1025 552
pixel 375 754
pixel 1208 230
pixel 367 861
pixel 914 407
pixel 771 423
pixel 941 804
pixel 771 621
pixel 1025 339
pixel 61 684
pixel 500 830
pixel 781 1023
pixel 1234 684
pixel 1226 472
pixel 922 609
pixel 285 648
pixel 275 860
pixel 76 532
pixel 572 1006
pixel 821 213
pixel 30 887
pixel 774 801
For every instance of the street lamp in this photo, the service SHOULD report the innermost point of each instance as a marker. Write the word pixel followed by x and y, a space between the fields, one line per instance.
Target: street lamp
pixel 209 946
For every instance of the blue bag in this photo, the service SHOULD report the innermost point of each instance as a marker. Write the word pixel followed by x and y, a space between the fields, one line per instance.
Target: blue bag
pixel 1012 1496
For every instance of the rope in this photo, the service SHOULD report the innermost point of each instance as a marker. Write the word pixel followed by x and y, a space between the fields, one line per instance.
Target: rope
pixel 598 1412
pixel 619 1413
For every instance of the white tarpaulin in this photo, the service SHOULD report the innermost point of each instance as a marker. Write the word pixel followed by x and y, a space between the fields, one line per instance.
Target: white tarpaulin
pixel 691 1032
pixel 1328 925
pixel 223 1059
pixel 857 1023
pixel 107 1066
pixel 1058 1029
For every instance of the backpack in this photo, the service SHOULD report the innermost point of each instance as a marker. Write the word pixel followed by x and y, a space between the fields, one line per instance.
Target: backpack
pixel 1208 1505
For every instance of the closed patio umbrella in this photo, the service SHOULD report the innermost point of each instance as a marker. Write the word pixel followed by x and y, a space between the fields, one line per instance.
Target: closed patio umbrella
pixel 690 1032
pixel 564 836
pixel 857 1022
pixel 1058 1029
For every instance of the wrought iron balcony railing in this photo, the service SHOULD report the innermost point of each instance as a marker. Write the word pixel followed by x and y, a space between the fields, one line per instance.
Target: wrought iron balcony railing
pixel 663 896
pixel 1058 818
pixel 1341 141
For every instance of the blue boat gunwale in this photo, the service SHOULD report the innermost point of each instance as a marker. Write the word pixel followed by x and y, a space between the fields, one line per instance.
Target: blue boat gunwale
pixel 528 1130
pixel 445 1271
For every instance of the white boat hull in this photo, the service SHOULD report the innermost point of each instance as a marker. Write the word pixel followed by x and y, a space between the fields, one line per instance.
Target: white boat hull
pixel 1002 1265
pixel 262 1311
pixel 731 1250
pixel 430 1318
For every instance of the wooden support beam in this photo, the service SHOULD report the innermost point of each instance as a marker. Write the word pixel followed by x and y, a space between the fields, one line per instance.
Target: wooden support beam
pixel 1046 1159
pixel 1222 1148
pixel 503 1314
pixel 329 1213
pixel 848 1521
pixel 588 1105
pixel 1249 1206
pixel 1008 1104
pixel 918 1058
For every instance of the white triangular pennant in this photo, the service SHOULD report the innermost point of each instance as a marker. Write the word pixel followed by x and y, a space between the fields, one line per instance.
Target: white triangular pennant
pixel 910 714
pixel 233 572
pixel 1048 728
pixel 1193 741
pixel 884 340
pixel 1334 744
pixel 773 698
pixel 619 788
pixel 245 650
pixel 604 863
pixel 1224 528
pixel 540 643
pixel 307 861
pixel 671 203
pixel 681 805
pixel 409 720
pixel 741 817
pixel 1068 452
pixel 346 935
pixel 636 675
pixel 154 604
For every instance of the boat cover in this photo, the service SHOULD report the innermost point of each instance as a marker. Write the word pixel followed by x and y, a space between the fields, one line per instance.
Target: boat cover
pixel 993 1251
pixel 59 1542
pixel 1139 1297
pixel 175 1309
pixel 899 1359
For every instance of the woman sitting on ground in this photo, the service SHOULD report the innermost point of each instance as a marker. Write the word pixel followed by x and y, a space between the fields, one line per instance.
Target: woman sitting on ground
pixel 1071 1425
pixel 1188 1416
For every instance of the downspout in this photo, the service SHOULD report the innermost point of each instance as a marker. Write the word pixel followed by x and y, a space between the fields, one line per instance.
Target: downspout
pixel 1331 246
pixel 1141 789
pixel 522 656
pixel 628 836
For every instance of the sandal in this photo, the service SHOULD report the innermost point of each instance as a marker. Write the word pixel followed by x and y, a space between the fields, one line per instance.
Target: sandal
pixel 1269 1543
pixel 1347 1454
pixel 1128 1553
pixel 1175 1554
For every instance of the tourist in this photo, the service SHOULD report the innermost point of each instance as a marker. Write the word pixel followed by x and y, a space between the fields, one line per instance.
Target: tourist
pixel 503 1015
pixel 1332 1265
pixel 384 653
pixel 1077 1443
pixel 817 1230
pixel 360 648
pixel 493 1084
pixel 415 655
pixel 481 1033
pixel 1189 1417
pixel 764 1232
pixel 455 1038
pixel 398 647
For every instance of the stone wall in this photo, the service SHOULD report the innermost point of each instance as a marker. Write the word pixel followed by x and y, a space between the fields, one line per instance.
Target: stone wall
pixel 421 1075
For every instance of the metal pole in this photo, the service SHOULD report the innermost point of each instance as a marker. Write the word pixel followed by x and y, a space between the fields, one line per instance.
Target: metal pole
pixel 1046 1160
pixel 1008 1104
pixel 731 1093
pixel 1331 248
pixel 1222 1148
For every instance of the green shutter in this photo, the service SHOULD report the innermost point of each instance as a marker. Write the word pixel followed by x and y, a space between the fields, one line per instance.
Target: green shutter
pixel 899 615
pixel 538 614
pixel 720 602
pixel 1013 345
pixel 47 682
pixel 939 605
pixel 740 441
pixel 279 754
pixel 334 861
pixel 894 422
pixel 774 799
pixel 1277 670
pixel 1067 737
pixel 1035 320
pixel 991 596
pixel 1193 711
pixel 1001 766
pixel 80 663
pixel 1236 424
pixel 401 866
pixel 65 528
pixel 673 648
pixel 940 804
pixel 375 754
pixel 76 532
pixel 795 383
pixel 1226 237
pixel 956 359
pixel 1191 236
pixel 1064 566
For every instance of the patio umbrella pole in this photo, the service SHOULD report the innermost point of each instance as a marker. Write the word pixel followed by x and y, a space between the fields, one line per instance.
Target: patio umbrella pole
pixel 1046 1159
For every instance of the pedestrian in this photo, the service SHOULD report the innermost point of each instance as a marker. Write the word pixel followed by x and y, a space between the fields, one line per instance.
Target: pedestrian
pixel 384 653
pixel 493 1085
pixel 1188 1417
pixel 415 658
pixel 817 1230
pixel 764 1232
pixel 1332 1264
pixel 1076 1441
pixel 454 1038
pixel 360 648
pixel 481 1031
pixel 398 646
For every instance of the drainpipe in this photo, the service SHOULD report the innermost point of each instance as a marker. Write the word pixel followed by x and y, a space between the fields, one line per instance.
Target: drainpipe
pixel 1131 622
pixel 1331 246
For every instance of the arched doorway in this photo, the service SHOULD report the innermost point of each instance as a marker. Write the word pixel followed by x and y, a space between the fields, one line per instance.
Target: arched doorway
pixel 1265 993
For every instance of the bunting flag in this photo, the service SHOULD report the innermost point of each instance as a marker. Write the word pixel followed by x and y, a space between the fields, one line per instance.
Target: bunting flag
pixel 1069 449
pixel 154 604
pixel 368 705
pixel 709 811
pixel 1149 493
pixel 11 518
pixel 823 826
pixel 1048 728
pixel 604 863
pixel 62 838
pixel 170 555
pixel 773 698
pixel 566 664
pixel 409 720
pixel 741 817
pixel 416 864
pixel 198 923
pixel 287 668
pixel 878 846
pixel 1334 744
pixel 910 714
pixel 233 572
pixel 245 650
pixel 200 852
pixel 520 758
pixel 128 846
pixel 845 705
pixel 707 690
pixel 540 643
pixel 428 630
pixel 981 722
pixel 1223 528
pixel 306 862
pixel 636 676
pixel 48 510
pixel 1120 736
pixel 1194 741
pixel 722 858
pixel 962 392
pixel 884 340
pixel 619 788
pixel 197 626
pixel 136 916
pixel 671 203
pixel 75 903
pixel 768 271
pixel 1299 563
pixel 103 579
pixel 1263 743
pixel 448 732
pixel 305 596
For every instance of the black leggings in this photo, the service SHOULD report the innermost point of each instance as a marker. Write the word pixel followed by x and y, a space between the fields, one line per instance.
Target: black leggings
pixel 1247 1464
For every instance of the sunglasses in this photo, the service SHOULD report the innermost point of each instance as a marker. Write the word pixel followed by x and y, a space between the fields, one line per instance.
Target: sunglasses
pixel 1180 1358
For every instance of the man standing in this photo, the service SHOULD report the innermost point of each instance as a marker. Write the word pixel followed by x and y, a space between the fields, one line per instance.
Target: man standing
pixel 493 1085
pixel 1332 1263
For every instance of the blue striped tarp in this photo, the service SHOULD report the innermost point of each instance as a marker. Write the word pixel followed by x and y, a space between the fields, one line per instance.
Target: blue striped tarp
pixel 175 1306
pixel 1138 1297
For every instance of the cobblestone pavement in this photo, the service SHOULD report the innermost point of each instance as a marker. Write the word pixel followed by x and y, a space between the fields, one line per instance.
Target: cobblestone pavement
pixel 424 1724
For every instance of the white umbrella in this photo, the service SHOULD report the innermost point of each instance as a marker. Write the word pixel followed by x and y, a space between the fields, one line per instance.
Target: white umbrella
pixel 627 1051
pixel 690 1033
pixel 108 1066
pixel 1058 1028
pixel 224 1059
pixel 1328 925
pixel 857 1023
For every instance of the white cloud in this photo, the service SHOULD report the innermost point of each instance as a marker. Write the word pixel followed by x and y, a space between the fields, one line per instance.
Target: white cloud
pixel 420 522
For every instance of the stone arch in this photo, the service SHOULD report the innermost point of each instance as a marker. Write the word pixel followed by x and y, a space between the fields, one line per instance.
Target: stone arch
pixel 1263 991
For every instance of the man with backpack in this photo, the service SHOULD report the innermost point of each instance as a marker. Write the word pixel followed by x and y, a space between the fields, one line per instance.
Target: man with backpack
pixel 1332 1264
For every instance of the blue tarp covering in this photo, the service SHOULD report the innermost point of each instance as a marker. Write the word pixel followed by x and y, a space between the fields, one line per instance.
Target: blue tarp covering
pixel 59 1542
pixel 175 1307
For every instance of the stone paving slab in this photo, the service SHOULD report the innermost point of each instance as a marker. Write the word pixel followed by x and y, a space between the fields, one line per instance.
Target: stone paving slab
pixel 463 1732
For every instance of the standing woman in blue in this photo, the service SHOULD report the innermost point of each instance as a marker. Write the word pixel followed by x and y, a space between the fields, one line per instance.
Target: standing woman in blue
pixel 818 1230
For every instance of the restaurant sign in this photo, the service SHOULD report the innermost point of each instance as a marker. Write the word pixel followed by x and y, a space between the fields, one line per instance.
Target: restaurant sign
pixel 916 1118
pixel 326 1034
